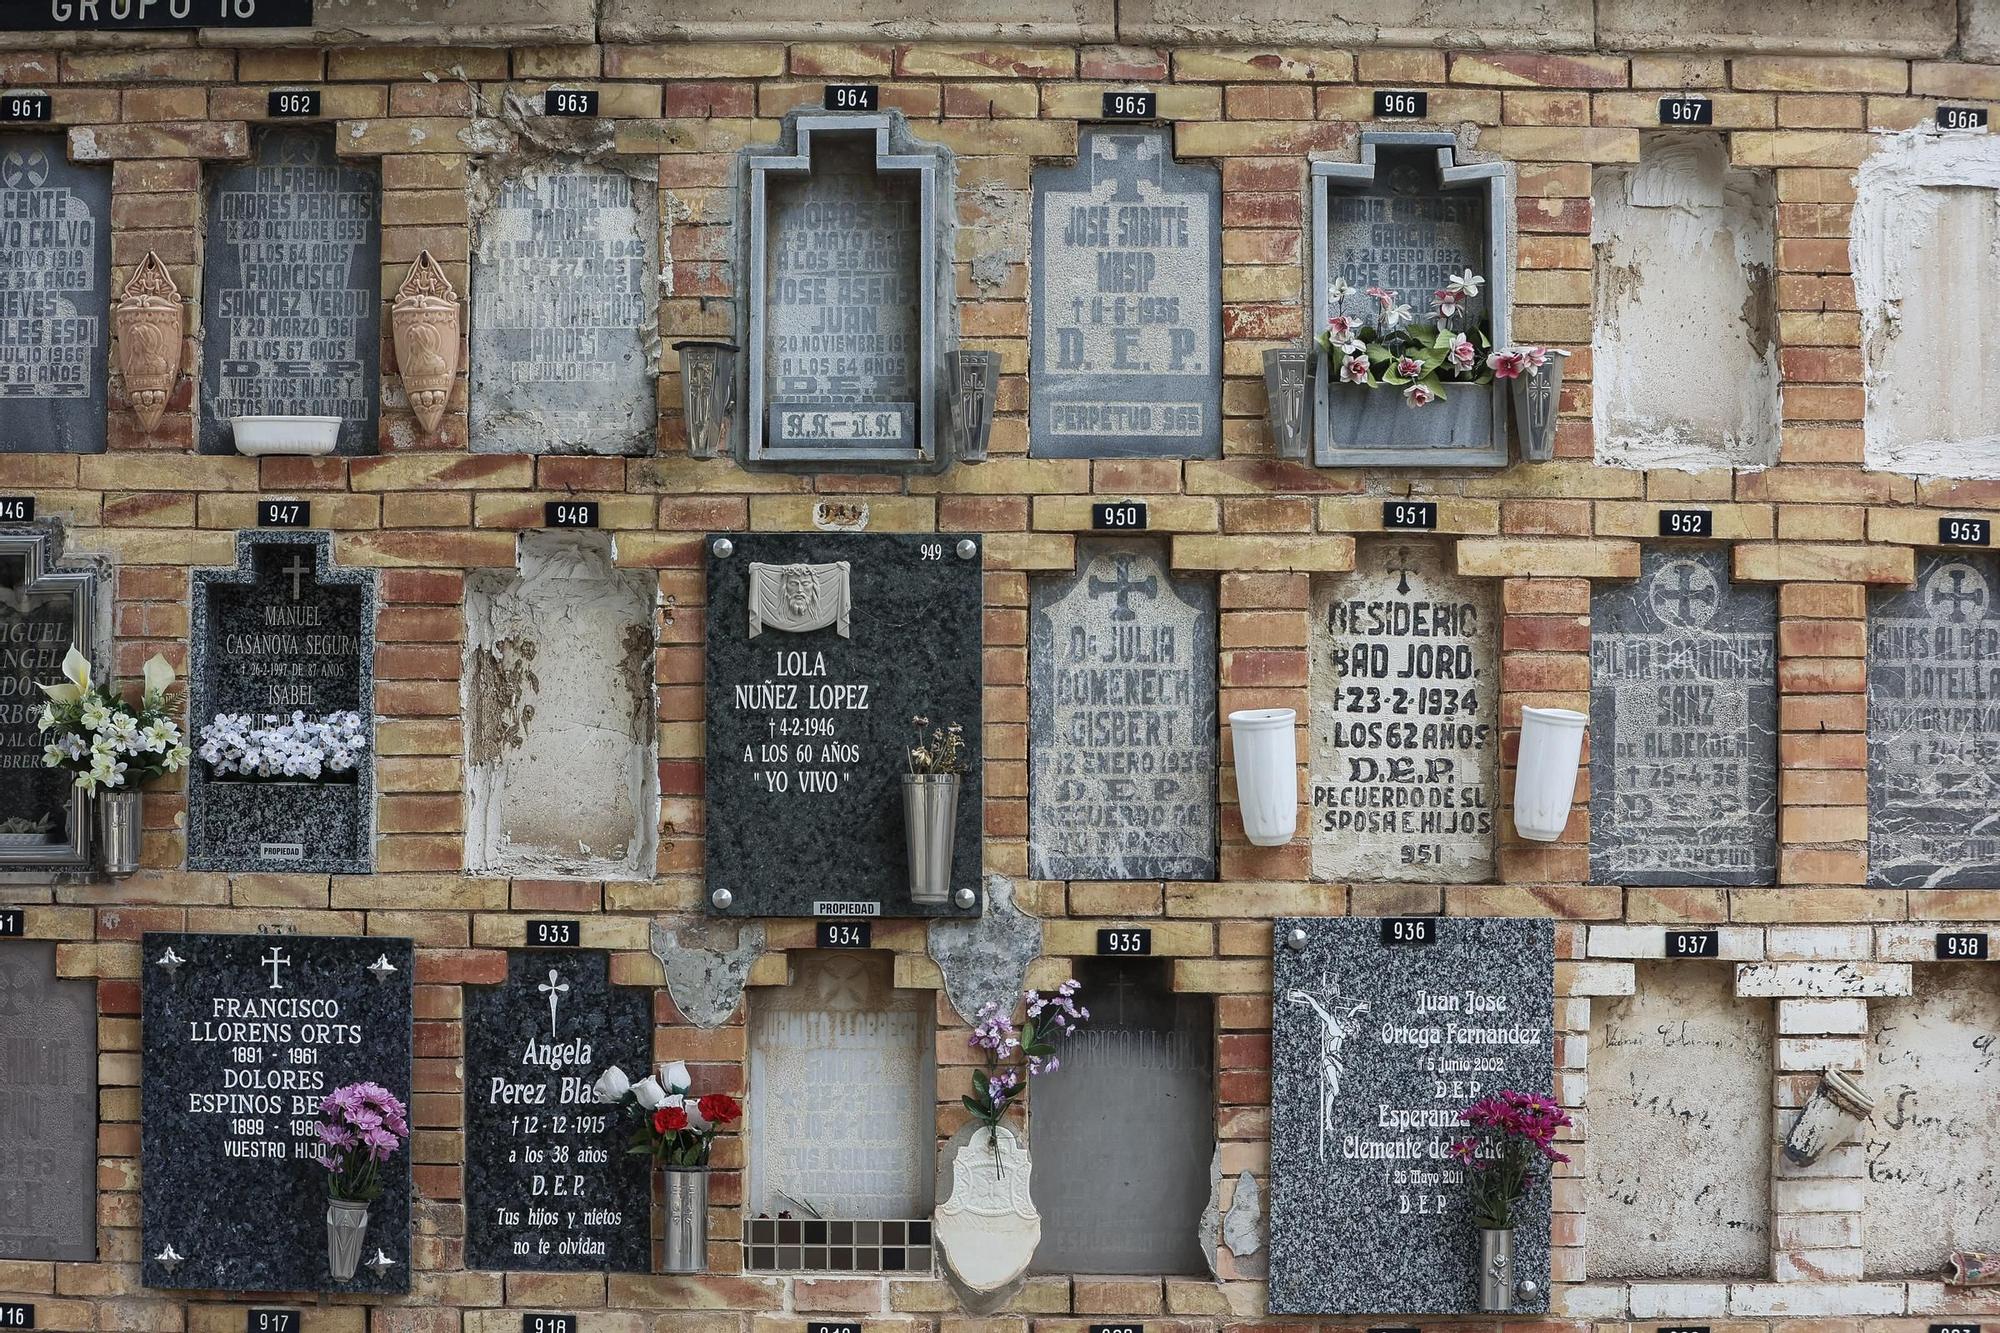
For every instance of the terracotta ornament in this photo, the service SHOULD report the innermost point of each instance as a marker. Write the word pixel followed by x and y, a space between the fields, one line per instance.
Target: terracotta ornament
pixel 425 319
pixel 150 321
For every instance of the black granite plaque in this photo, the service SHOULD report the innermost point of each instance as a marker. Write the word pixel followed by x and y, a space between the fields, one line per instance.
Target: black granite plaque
pixel 1934 727
pixel 46 605
pixel 55 294
pixel 548 1183
pixel 1375 1049
pixel 1126 358
pixel 808 730
pixel 1121 719
pixel 48 1107
pixel 292 291
pixel 241 1037
pixel 1683 725
pixel 283 632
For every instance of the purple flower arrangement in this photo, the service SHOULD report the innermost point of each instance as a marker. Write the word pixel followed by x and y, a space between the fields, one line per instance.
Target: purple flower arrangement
pixel 1048 1018
pixel 360 1127
pixel 1513 1136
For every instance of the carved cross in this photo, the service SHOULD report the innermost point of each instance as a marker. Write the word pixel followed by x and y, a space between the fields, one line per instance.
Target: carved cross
pixel 1123 587
pixel 1685 596
pixel 275 960
pixel 1958 595
pixel 555 989
pixel 296 570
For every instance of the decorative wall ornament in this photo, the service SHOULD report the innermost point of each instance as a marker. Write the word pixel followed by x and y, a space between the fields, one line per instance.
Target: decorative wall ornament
pixel 708 394
pixel 425 319
pixel 1285 371
pixel 150 319
pixel 799 598
pixel 989 1227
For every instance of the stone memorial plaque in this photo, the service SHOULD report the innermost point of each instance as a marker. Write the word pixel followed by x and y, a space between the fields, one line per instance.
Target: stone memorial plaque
pixel 821 649
pixel 1368 1210
pixel 1683 725
pixel 1124 1134
pixel 565 312
pixel 242 1036
pixel 1126 358
pixel 1121 719
pixel 48 1107
pixel 55 297
pixel 1405 688
pixel 842 1110
pixel 283 632
pixel 1934 728
pixel 292 291
pixel 548 1183
pixel 849 285
pixel 47 603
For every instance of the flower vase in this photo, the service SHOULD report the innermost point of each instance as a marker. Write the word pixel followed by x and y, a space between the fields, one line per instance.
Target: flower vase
pixel 121 826
pixel 1537 394
pixel 1496 1270
pixel 346 1229
pixel 988 1229
pixel 1837 1105
pixel 1265 744
pixel 1545 771
pixel 684 1242
pixel 1361 417
pixel 424 320
pixel 930 827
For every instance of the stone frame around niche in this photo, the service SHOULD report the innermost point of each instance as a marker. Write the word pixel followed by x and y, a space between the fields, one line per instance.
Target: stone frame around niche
pixel 1490 180
pixel 896 150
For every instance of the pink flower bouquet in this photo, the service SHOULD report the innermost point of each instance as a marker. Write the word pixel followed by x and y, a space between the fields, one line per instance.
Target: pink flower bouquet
pixel 360 1127
pixel 1513 1137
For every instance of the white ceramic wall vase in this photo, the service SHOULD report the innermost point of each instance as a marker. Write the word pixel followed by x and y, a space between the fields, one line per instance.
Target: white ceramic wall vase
pixel 150 321
pixel 988 1229
pixel 1266 745
pixel 1837 1106
pixel 1545 772
pixel 259 436
pixel 424 320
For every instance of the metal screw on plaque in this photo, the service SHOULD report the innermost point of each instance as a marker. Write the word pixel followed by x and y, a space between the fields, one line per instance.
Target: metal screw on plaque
pixel 1527 1289
pixel 173 962
pixel 967 548
pixel 965 898
pixel 1295 939
pixel 169 1259
pixel 722 548
pixel 721 899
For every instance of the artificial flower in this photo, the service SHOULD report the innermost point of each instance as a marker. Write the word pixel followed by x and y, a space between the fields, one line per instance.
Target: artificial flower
pixel 669 1120
pixel 159 675
pixel 1409 367
pixel 76 668
pixel 674 1075
pixel 611 1085
pixel 1462 353
pixel 1340 328
pixel 1418 395
pixel 650 1094
pixel 1506 365
pixel 1466 283
pixel 1394 316
pixel 1449 302
pixel 1354 370
pixel 1339 291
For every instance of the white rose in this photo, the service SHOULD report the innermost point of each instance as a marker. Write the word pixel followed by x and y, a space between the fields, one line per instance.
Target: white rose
pixel 611 1085
pixel 674 1073
pixel 650 1094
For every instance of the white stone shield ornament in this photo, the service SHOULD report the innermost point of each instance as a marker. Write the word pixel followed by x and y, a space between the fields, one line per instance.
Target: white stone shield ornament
pixel 798 598
pixel 988 1229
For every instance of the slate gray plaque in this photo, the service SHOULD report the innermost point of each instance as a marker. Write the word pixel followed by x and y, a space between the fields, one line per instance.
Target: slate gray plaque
pixel 1375 1049
pixel 284 631
pixel 240 1040
pixel 1121 719
pixel 565 302
pixel 1683 725
pixel 1124 1132
pixel 48 1107
pixel 1126 358
pixel 47 603
pixel 548 1183
pixel 792 835
pixel 1934 728
pixel 55 296
pixel 292 291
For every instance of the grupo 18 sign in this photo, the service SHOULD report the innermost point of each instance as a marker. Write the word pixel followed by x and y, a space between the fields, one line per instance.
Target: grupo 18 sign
pixel 123 15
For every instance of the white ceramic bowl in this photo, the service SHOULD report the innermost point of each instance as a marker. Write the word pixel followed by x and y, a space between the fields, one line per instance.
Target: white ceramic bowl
pixel 257 436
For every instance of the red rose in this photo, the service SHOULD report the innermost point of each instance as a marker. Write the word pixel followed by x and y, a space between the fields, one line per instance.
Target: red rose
pixel 669 1120
pixel 719 1108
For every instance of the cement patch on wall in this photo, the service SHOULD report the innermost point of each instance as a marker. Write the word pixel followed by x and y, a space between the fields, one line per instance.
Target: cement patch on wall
pixel 1926 227
pixel 1678 1156
pixel 1684 344
pixel 1852 27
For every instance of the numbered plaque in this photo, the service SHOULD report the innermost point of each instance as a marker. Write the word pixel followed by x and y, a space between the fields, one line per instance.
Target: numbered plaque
pixel 1125 941
pixel 1131 105
pixel 284 513
pixel 852 97
pixel 548 1323
pixel 1119 516
pixel 1962 946
pixel 1961 117
pixel 1402 104
pixel 1686 110
pixel 845 934
pixel 569 102
pixel 1693 944
pixel 17 1314
pixel 271 1321
pixel 13 923
pixel 1409 515
pixel 1409 930
pixel 570 514
pixel 17 509
pixel 292 104
pixel 27 107
pixel 553 934
pixel 1687 523
pixel 1965 531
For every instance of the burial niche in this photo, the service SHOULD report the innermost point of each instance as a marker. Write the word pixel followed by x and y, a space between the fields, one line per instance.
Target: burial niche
pixel 1124 1133
pixel 561 743
pixel 1685 251
pixel 55 296
pixel 841 1119
pixel 48 1107
pixel 1679 1155
pixel 48 602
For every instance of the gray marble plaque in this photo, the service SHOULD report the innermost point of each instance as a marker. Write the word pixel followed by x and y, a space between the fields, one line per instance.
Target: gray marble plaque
pixel 48 1107
pixel 292 291
pixel 1934 728
pixel 1126 358
pixel 1121 719
pixel 1375 1049
pixel 55 295
pixel 565 309
pixel 1123 1133
pixel 47 604
pixel 1683 725
pixel 1405 690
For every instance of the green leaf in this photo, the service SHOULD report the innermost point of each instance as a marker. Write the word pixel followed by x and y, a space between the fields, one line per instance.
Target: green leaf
pixel 1377 353
pixel 976 1108
pixel 1039 1048
pixel 980 1083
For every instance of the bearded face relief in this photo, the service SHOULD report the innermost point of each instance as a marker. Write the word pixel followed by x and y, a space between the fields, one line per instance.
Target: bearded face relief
pixel 799 598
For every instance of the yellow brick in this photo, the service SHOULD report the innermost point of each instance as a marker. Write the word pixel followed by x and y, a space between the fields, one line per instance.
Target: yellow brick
pixel 1732 522
pixel 1819 74
pixel 401 134
pixel 985 60
pixel 1085 101
pixel 1255 899
pixel 1916 527
pixel 1172 939
pixel 1316 555
pixel 1164 513
pixel 1548 557
pixel 1030 551
pixel 1803 562
pixel 1799 148
pixel 695 60
pixel 812 513
pixel 1216 976
pixel 1537 143
pixel 1359 513
pixel 1009 476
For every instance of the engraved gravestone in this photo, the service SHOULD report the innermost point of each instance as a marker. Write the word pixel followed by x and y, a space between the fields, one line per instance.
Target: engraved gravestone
pixel 1405 703
pixel 549 1185
pixel 47 604
pixel 48 1107
pixel 1126 358
pixel 292 291
pixel 1683 725
pixel 821 650
pixel 285 632
pixel 241 1037
pixel 55 294
pixel 1933 727
pixel 1124 1136
pixel 1121 719
pixel 565 312
pixel 1375 1049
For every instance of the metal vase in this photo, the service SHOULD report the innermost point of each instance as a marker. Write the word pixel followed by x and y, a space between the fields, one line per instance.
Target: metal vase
pixel 121 827
pixel 1285 370
pixel 346 1229
pixel 1537 395
pixel 1837 1106
pixel 1496 1271
pixel 708 394
pixel 930 824
pixel 684 1245
pixel 974 378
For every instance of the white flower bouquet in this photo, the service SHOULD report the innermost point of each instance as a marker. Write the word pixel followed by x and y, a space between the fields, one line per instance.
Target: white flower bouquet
pixel 106 741
pixel 271 748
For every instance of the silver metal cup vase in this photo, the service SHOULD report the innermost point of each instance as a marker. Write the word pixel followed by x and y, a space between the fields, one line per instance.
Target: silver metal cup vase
pixel 121 826
pixel 973 379
pixel 1285 372
pixel 346 1229
pixel 1496 1271
pixel 930 825
pixel 708 394
pixel 684 1244
pixel 1537 394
